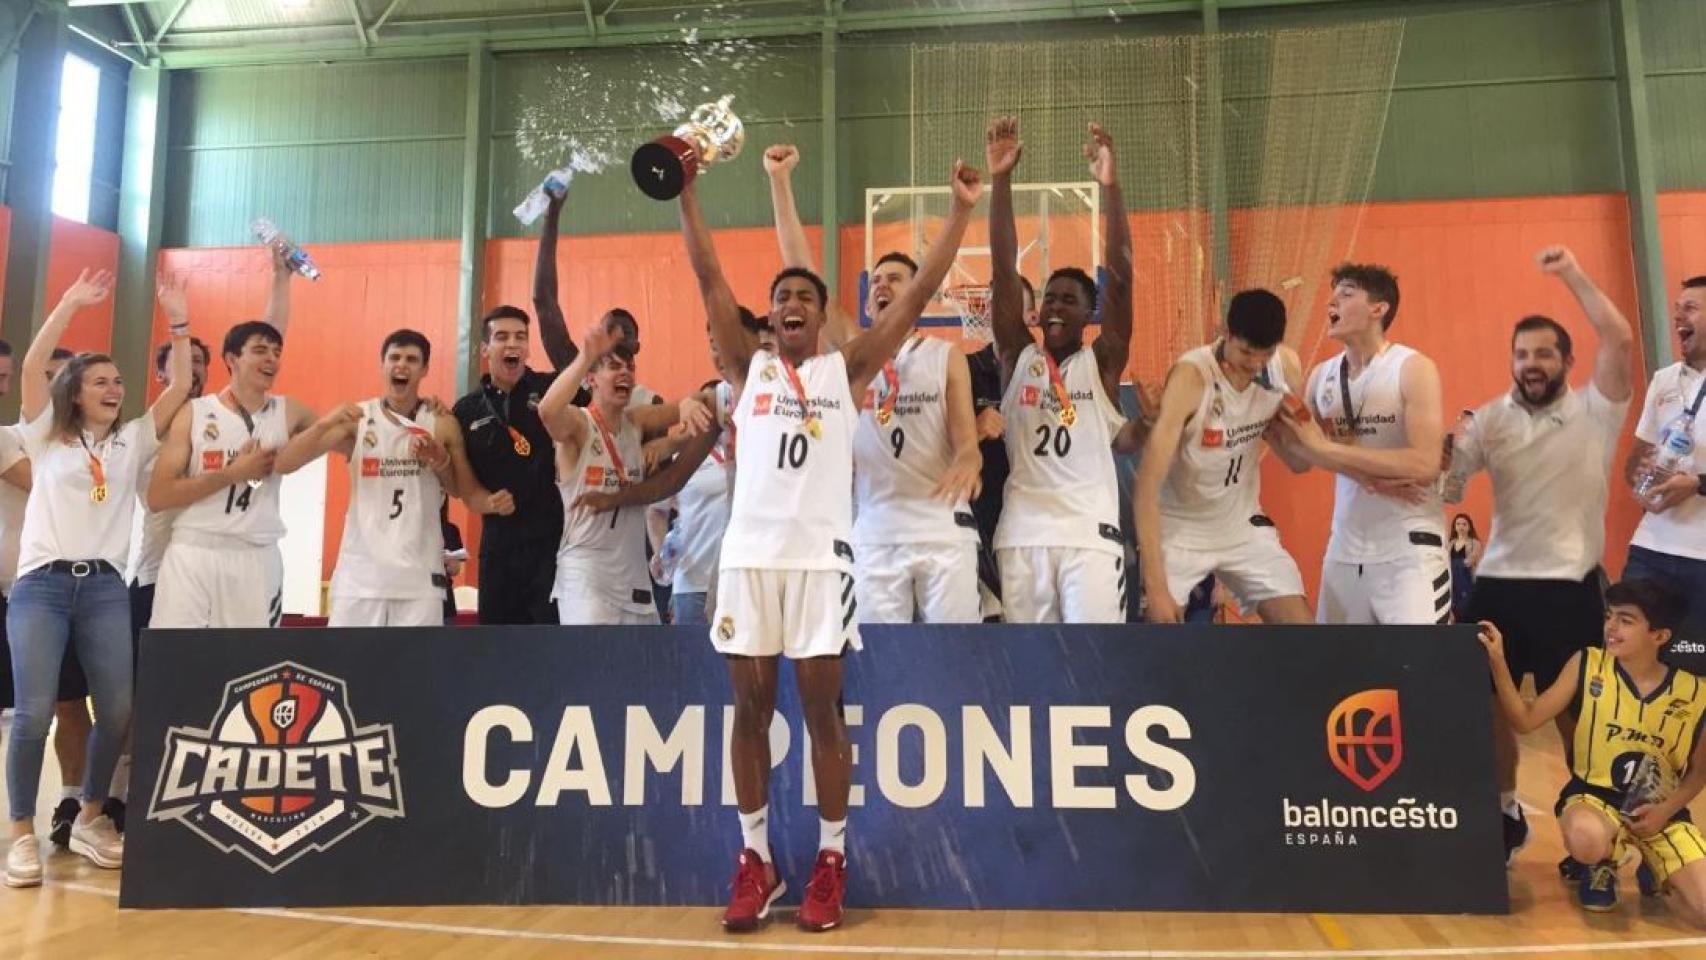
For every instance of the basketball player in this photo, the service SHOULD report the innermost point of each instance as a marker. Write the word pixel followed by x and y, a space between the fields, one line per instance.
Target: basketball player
pixel 1609 804
pixel 1198 485
pixel 601 565
pixel 779 163
pixel 223 567
pixel 1386 559
pixel 1058 542
pixel 403 456
pixel 785 585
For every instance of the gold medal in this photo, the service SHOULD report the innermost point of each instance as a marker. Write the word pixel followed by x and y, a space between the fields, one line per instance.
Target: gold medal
pixel 814 428
pixel 1068 416
pixel 98 493
pixel 884 415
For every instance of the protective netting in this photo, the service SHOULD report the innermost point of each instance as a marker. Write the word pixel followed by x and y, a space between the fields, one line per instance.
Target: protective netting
pixel 1273 135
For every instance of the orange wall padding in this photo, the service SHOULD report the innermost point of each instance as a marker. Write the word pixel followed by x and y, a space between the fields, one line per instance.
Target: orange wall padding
pixel 1465 268
pixel 74 246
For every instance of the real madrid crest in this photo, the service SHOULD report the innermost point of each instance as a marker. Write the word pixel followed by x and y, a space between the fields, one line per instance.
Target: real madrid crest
pixel 597 447
pixel 370 439
pixel 726 629
pixel 1036 368
pixel 210 433
pixel 1218 407
pixel 768 374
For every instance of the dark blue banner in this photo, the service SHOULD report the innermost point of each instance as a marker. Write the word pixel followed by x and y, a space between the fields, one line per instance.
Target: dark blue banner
pixel 1182 768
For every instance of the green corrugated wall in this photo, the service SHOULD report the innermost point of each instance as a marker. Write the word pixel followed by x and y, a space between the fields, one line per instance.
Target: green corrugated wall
pixel 1501 101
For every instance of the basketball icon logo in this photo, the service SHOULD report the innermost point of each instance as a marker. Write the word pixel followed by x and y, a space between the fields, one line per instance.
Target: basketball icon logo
pixel 1364 738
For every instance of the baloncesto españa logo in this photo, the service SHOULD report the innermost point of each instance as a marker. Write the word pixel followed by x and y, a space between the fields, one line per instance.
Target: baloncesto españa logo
pixel 1365 744
pixel 283 769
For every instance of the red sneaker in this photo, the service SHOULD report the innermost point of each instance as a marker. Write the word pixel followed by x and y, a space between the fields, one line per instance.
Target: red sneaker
pixel 749 902
pixel 822 907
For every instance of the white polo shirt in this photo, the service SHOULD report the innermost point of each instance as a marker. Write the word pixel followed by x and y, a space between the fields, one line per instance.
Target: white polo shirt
pixel 1551 472
pixel 61 520
pixel 1681 530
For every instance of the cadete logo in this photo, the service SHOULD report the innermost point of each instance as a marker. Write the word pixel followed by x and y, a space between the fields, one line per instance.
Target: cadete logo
pixel 283 769
pixel 1365 739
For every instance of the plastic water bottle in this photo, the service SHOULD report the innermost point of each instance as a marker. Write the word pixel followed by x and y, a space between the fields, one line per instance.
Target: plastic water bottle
pixel 1456 467
pixel 555 184
pixel 268 233
pixel 1675 446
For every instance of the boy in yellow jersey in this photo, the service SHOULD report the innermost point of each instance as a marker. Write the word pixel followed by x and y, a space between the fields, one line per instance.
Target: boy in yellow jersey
pixel 1628 706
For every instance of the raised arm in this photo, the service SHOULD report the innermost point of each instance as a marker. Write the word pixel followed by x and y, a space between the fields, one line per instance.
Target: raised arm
pixel 553 328
pixel 779 163
pixel 734 344
pixel 867 352
pixel 1006 295
pixel 278 295
pixel 1614 360
pixel 170 295
pixel 564 423
pixel 1179 399
pixel 1113 344
pixel 1523 715
pixel 89 289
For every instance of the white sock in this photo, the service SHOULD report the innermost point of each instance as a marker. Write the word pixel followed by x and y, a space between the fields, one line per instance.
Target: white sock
pixel 72 792
pixel 121 779
pixel 1509 804
pixel 755 831
pixel 832 835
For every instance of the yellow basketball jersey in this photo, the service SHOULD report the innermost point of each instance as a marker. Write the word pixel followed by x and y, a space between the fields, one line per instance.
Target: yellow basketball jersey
pixel 1616 726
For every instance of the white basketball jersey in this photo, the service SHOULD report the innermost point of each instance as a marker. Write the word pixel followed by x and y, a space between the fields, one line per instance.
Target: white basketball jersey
pixel 896 466
pixel 393 544
pixel 1214 485
pixel 240 513
pixel 793 499
pixel 1061 491
pixel 1368 527
pixel 607 549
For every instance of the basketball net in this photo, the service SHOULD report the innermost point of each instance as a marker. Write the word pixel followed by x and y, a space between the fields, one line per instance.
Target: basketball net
pixel 971 302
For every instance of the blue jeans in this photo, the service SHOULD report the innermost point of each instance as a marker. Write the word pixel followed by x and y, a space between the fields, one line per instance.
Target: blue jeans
pixel 1685 575
pixel 687 609
pixel 49 610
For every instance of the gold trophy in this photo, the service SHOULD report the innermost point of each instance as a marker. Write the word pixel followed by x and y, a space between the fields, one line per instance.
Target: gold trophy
pixel 712 133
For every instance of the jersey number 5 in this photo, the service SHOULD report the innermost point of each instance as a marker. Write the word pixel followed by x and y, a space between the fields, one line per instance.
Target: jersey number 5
pixel 396 503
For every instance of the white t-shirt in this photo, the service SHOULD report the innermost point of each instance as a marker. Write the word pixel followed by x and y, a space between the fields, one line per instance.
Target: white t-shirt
pixel 12 502
pixel 1551 473
pixel 61 521
pixel 393 544
pixel 1681 530
pixel 151 534
pixel 1214 485
pixel 1061 491
pixel 897 466
pixel 1369 527
pixel 793 497
pixel 703 511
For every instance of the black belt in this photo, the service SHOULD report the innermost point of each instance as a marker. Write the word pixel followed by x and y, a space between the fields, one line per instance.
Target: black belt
pixel 82 568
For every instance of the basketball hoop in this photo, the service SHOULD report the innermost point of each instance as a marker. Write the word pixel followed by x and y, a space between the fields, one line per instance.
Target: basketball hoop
pixel 971 302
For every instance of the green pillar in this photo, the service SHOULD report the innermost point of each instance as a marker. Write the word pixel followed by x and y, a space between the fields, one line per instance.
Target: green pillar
pixel 476 191
pixel 141 191
pixel 29 183
pixel 1214 130
pixel 830 209
pixel 1640 182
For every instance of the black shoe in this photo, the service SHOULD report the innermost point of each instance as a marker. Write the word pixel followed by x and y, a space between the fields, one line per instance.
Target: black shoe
pixel 114 810
pixel 59 830
pixel 1516 835
pixel 1570 869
